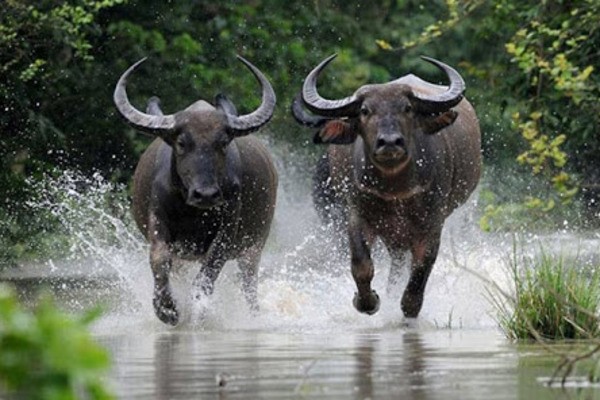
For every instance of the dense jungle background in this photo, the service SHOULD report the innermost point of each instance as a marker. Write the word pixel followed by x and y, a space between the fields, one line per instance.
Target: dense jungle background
pixel 531 69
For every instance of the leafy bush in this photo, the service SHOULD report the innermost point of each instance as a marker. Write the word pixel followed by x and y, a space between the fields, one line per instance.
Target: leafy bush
pixel 47 354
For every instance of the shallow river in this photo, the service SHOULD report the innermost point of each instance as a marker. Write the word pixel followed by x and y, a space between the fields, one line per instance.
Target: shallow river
pixel 392 364
pixel 307 341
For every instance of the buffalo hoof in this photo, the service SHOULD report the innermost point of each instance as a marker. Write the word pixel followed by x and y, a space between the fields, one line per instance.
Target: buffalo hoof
pixel 411 304
pixel 367 304
pixel 164 307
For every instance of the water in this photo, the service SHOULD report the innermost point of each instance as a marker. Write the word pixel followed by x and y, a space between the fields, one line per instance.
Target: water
pixel 399 363
pixel 380 364
pixel 307 341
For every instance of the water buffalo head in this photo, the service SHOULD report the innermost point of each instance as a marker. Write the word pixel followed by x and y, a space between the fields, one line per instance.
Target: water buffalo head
pixel 391 118
pixel 200 136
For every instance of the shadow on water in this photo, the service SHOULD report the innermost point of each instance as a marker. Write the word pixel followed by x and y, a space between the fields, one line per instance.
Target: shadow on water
pixel 307 341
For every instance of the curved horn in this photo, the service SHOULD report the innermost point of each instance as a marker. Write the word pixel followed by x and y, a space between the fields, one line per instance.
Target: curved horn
pixel 437 103
pixel 303 117
pixel 346 107
pixel 154 124
pixel 245 124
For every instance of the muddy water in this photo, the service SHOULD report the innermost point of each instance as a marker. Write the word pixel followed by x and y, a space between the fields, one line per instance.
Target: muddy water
pixel 307 341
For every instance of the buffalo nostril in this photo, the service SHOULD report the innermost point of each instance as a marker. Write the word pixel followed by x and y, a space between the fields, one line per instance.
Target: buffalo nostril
pixel 389 142
pixel 210 194
pixel 215 195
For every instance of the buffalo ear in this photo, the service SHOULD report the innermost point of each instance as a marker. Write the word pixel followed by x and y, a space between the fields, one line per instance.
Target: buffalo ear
pixel 222 102
pixel 153 106
pixel 335 132
pixel 435 123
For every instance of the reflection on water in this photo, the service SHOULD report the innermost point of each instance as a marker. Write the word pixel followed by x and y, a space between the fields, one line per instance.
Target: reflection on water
pixel 403 363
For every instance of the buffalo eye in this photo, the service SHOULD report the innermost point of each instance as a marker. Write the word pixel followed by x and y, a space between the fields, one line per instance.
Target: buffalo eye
pixel 408 108
pixel 364 111
pixel 180 145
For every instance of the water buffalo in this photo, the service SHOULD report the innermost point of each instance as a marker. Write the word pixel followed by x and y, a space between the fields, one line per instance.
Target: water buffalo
pixel 403 156
pixel 203 190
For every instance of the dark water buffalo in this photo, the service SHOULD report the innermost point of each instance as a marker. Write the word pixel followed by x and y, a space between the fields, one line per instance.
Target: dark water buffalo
pixel 403 156
pixel 203 190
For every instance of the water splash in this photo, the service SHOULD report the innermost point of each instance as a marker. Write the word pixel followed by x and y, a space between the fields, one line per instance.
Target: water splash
pixel 305 282
pixel 103 245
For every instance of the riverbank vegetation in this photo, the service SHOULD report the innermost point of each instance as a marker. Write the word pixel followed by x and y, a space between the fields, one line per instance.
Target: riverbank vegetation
pixel 554 299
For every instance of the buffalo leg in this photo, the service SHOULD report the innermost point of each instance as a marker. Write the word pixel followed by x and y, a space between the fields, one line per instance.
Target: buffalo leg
pixel 211 268
pixel 424 253
pixel 365 300
pixel 204 282
pixel 161 263
pixel 248 264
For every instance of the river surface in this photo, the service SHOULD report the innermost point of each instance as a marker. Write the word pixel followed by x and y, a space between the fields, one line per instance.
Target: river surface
pixel 181 365
pixel 403 363
pixel 307 341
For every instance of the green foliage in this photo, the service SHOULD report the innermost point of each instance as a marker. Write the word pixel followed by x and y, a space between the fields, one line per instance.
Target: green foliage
pixel 545 51
pixel 47 354
pixel 545 157
pixel 44 47
pixel 457 12
pixel 553 299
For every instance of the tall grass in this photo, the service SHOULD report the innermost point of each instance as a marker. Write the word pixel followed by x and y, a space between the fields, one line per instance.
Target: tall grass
pixel 553 299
